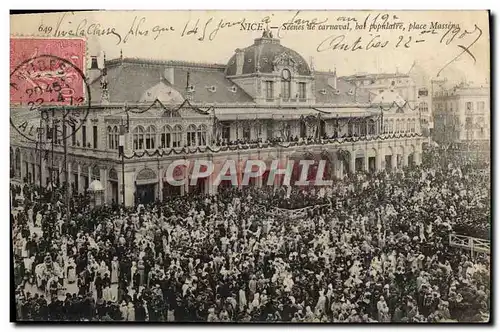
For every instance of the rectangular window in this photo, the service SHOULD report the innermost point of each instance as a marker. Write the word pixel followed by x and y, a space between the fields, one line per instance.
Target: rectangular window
pixel 84 136
pixel 269 90
pixel 226 132
pixel 480 106
pixel 246 132
pixel 285 90
pixel 468 122
pixel 270 130
pixel 176 140
pixel 165 140
pixel 55 131
pixel 423 92
pixel 371 127
pixel 73 134
pixel 150 143
pixel 468 106
pixel 191 138
pixel 94 134
pixel 302 90
pixel 202 138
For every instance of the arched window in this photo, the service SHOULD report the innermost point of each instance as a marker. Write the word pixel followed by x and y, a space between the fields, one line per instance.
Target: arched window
pixel 391 126
pixel 202 135
pixel 386 127
pixel 177 136
pixel 139 138
pixel 423 107
pixel 113 175
pixel 150 137
pixel 371 127
pixel 397 126
pixel 191 135
pixel 96 173
pixel 166 137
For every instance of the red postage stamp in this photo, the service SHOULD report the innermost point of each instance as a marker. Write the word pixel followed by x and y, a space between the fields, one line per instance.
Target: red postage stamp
pixel 48 71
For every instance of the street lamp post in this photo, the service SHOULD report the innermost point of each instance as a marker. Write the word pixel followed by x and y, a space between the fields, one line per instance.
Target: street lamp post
pixel 121 151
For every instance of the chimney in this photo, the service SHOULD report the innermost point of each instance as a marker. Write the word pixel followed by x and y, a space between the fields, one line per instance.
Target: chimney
pixel 168 74
pixel 240 60
pixel 93 64
pixel 332 81
pixel 94 72
pixel 189 87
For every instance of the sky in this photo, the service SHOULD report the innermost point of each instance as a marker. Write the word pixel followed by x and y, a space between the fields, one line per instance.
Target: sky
pixel 171 35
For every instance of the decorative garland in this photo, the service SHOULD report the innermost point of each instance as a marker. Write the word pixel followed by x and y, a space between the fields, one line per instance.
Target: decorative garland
pixel 191 150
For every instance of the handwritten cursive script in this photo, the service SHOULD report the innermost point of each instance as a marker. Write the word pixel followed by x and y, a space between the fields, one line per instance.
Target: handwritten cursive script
pixel 450 36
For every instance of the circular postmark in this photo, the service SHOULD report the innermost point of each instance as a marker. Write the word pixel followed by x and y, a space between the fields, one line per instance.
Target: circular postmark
pixel 46 96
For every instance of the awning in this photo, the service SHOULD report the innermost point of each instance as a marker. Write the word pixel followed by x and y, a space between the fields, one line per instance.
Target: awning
pixel 96 186
pixel 347 112
pixel 232 114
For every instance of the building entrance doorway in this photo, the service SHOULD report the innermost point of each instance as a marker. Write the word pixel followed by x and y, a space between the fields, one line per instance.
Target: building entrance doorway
pixel 411 161
pixel 114 191
pixel 200 187
pixel 170 190
pixel 372 164
pixel 145 193
pixel 388 162
pixel 360 164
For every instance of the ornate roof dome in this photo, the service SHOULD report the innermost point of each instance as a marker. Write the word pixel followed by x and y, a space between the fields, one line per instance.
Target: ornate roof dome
pixel 263 55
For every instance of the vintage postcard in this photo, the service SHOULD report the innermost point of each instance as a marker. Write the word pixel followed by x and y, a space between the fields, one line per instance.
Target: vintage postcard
pixel 250 166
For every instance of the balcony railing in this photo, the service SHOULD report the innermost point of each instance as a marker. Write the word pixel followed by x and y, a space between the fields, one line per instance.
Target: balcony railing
pixel 264 145
pixel 470 243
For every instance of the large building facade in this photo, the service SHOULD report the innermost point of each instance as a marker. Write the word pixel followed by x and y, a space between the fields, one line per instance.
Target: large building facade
pixel 462 116
pixel 266 103
pixel 395 89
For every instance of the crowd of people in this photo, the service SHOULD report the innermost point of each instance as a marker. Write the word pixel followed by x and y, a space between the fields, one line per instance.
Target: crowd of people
pixel 371 248
pixel 288 138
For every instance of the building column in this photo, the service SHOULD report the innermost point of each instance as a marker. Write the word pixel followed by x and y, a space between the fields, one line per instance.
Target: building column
pixel 186 185
pixel 43 173
pixel 258 181
pixel 209 186
pixel 339 168
pixel 60 172
pixel 69 175
pixel 405 159
pixel 394 160
pixel 366 162
pixel 378 161
pixel 160 184
pixel 129 188
pixel 104 181
pixel 22 171
pixel 352 162
pixel 80 182
pixel 417 158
